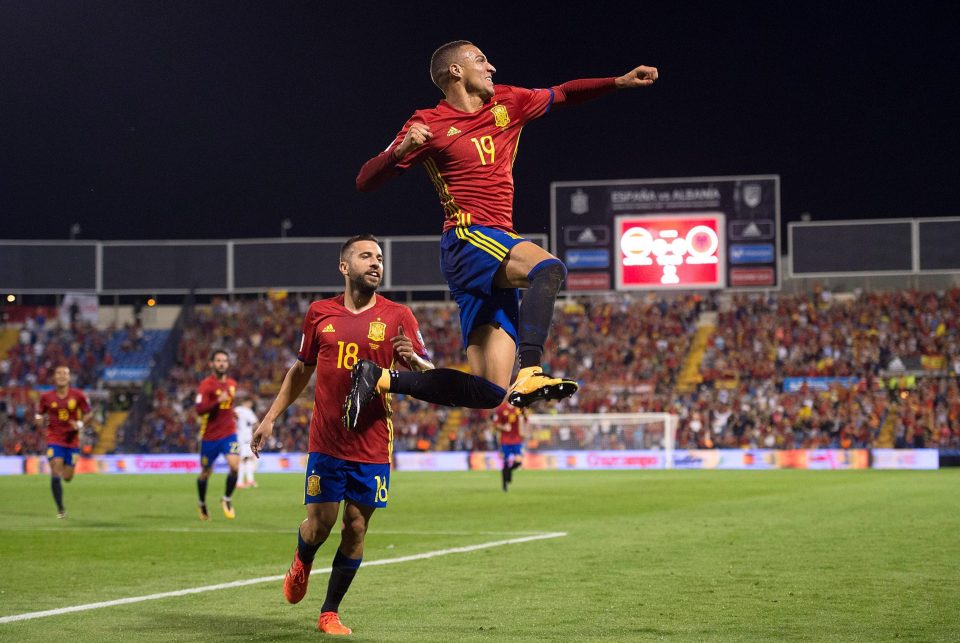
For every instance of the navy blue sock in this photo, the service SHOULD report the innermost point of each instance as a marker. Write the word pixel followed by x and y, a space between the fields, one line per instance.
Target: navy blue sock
pixel 344 569
pixel 231 484
pixel 57 489
pixel 202 490
pixel 449 387
pixel 305 550
pixel 536 309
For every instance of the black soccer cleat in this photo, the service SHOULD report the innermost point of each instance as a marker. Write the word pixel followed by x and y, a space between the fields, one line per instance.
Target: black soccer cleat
pixel 363 386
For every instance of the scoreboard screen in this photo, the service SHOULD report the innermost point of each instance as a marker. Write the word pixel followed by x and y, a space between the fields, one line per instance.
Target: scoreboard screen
pixel 683 233
pixel 677 251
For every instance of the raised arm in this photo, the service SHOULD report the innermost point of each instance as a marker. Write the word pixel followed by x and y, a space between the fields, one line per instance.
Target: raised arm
pixel 584 89
pixel 382 167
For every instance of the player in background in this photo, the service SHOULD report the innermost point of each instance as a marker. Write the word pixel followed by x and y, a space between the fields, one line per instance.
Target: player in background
pixel 352 467
pixel 66 410
pixel 218 431
pixel 510 422
pixel 468 145
pixel 246 420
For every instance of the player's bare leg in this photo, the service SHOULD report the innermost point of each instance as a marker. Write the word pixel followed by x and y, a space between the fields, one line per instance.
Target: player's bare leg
pixel 226 502
pixel 313 532
pixel 491 354
pixel 56 473
pixel 356 518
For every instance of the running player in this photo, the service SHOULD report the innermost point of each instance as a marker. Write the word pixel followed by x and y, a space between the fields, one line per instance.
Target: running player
pixel 349 467
pixel 66 410
pixel 468 145
pixel 218 431
pixel 509 421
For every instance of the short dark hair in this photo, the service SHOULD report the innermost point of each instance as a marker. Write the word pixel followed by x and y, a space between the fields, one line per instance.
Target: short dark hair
pixel 441 60
pixel 366 236
pixel 217 352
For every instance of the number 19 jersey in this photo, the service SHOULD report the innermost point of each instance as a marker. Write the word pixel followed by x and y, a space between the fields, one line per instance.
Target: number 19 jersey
pixel 470 156
pixel 335 339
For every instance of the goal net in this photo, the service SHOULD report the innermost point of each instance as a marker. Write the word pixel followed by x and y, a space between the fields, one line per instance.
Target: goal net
pixel 603 431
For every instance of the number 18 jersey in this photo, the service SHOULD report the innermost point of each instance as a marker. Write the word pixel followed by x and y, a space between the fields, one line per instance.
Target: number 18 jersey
pixel 335 339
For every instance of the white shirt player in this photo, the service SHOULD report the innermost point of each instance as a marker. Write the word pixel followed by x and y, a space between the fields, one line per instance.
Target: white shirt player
pixel 246 421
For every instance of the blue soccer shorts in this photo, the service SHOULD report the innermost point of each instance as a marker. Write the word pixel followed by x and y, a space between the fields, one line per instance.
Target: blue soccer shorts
pixel 469 258
pixel 513 451
pixel 69 454
pixel 330 479
pixel 210 450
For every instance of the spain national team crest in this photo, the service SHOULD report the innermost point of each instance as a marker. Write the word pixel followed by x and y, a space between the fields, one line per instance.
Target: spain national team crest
pixel 378 331
pixel 579 202
pixel 752 194
pixel 500 116
pixel 313 485
pixel 71 404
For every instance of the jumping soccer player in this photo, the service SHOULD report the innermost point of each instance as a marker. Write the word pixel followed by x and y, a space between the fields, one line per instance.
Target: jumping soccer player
pixel 468 144
pixel 509 421
pixel 218 431
pixel 66 410
pixel 352 467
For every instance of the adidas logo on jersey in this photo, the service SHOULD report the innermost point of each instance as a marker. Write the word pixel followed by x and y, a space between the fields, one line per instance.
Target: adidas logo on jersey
pixel 452 131
pixel 328 329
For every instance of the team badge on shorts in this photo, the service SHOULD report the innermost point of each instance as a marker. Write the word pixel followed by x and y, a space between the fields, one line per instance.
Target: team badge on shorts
pixel 377 332
pixel 500 116
pixel 313 485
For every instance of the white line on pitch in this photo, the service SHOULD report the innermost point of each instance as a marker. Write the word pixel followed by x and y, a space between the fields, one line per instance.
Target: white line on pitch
pixel 272 579
pixel 233 530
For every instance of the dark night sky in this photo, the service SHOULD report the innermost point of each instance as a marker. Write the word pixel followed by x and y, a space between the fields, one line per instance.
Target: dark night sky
pixel 194 119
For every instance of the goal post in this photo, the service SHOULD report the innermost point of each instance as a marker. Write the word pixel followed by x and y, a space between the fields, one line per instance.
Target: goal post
pixel 592 431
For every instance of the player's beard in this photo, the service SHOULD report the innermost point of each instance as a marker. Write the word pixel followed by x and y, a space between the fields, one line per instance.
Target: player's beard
pixel 360 285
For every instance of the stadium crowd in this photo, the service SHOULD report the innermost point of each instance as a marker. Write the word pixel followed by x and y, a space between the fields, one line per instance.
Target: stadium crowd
pixel 628 351
pixel 43 342
pixel 885 365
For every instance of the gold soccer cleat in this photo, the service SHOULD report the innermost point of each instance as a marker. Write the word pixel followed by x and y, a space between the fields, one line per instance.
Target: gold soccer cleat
pixel 533 384
pixel 227 507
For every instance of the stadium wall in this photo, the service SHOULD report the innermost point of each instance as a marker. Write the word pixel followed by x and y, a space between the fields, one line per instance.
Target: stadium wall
pixel 750 459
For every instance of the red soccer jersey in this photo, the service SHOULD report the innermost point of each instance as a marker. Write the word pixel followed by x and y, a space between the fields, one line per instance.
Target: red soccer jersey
pixel 60 411
pixel 470 157
pixel 509 414
pixel 217 420
pixel 334 339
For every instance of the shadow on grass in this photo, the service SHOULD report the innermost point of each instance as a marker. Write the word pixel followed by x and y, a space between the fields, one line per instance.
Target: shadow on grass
pixel 220 627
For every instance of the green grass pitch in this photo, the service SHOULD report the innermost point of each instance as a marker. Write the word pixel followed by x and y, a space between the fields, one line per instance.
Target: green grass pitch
pixel 652 555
